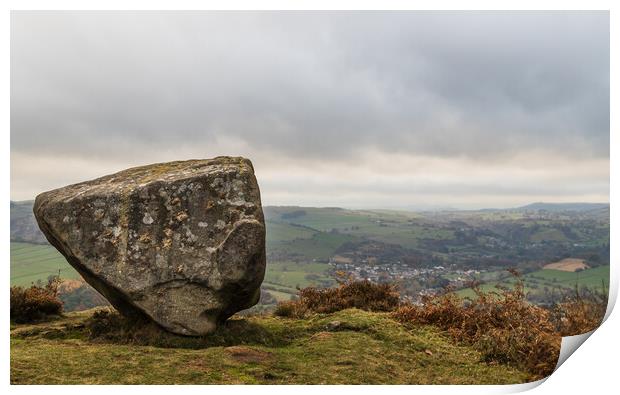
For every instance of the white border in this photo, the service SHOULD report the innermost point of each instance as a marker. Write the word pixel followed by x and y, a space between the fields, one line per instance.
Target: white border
pixel 592 369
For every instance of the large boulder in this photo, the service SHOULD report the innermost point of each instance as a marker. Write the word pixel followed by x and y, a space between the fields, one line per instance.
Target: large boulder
pixel 182 243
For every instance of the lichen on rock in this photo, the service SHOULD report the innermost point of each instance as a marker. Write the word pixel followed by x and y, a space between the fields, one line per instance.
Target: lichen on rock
pixel 182 243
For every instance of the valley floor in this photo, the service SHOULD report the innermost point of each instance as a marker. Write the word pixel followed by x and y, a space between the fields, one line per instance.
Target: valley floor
pixel 361 348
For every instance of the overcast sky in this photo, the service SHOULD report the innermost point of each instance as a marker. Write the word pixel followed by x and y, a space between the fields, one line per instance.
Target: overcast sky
pixel 350 109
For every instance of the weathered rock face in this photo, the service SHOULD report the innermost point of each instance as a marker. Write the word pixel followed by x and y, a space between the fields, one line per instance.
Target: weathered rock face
pixel 182 243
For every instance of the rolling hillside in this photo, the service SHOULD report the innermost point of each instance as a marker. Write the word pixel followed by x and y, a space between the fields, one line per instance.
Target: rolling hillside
pixel 23 225
pixel 565 206
pixel 421 251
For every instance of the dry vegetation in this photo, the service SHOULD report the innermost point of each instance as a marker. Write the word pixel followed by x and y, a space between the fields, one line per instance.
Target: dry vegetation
pixel 358 332
pixel 36 302
pixel 579 313
pixel 501 324
pixel 568 265
pixel 363 295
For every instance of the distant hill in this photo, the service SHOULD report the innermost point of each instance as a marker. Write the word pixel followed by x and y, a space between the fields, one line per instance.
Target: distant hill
pixel 23 225
pixel 564 206
pixel 25 229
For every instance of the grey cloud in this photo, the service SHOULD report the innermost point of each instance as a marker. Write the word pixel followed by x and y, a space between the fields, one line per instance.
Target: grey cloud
pixel 310 86
pixel 312 83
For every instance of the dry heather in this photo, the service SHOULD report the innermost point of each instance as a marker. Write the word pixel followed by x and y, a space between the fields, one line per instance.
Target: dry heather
pixel 35 303
pixel 502 325
pixel 579 313
pixel 363 295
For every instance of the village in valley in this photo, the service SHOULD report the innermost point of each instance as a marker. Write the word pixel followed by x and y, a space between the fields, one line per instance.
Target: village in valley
pixel 421 253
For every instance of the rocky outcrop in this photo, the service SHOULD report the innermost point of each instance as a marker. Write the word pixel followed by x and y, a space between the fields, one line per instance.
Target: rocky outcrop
pixel 182 243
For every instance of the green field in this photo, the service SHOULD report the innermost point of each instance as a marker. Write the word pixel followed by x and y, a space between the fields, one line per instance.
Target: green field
pixel 277 232
pixel 406 235
pixel 394 227
pixel 322 219
pixel 320 246
pixel 293 275
pixel 593 279
pixel 32 262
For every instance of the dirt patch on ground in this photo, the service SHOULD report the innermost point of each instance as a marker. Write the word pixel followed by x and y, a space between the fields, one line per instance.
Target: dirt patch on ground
pixel 247 354
pixel 568 265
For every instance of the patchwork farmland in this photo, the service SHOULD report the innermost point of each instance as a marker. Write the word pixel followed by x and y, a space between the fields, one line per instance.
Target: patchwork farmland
pixel 420 251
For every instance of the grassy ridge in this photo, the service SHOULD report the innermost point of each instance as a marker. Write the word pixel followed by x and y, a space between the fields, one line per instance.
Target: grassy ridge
pixel 368 348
